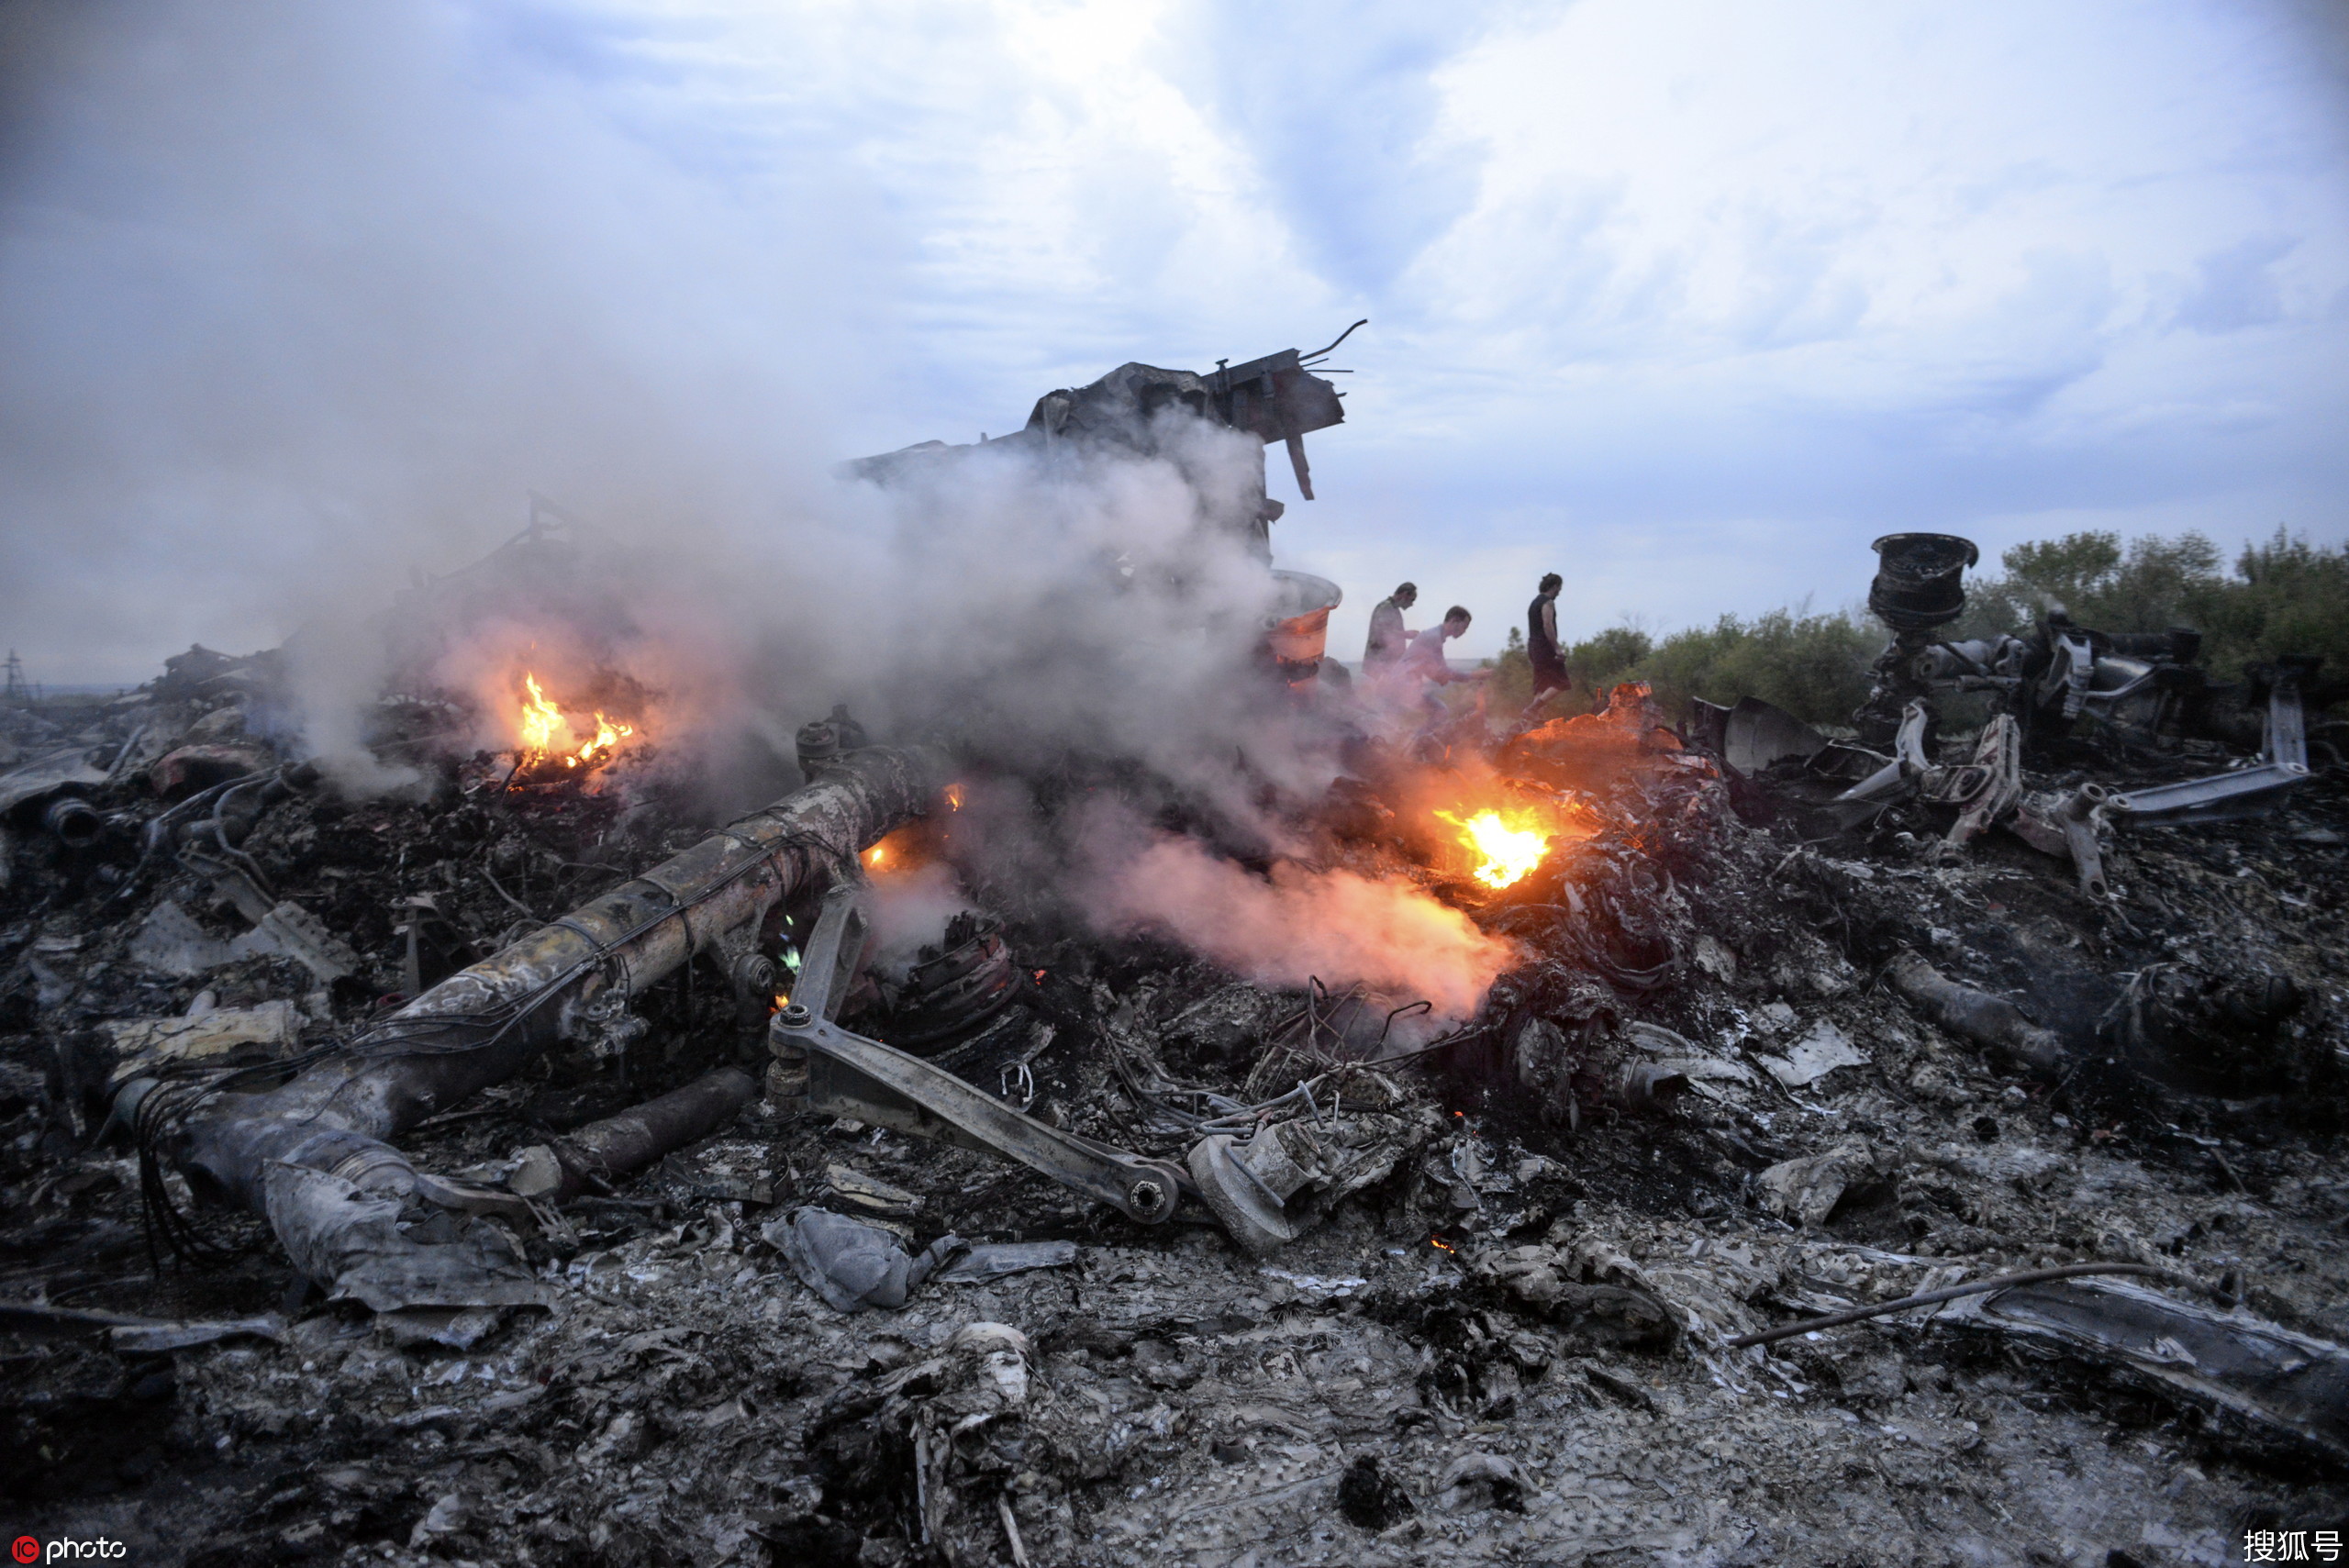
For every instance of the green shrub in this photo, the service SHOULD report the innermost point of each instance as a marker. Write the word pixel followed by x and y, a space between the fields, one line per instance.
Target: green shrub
pixel 1511 686
pixel 2285 595
pixel 1812 665
pixel 1602 660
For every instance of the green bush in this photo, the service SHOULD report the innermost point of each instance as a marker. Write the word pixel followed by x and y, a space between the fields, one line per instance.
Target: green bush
pixel 2285 595
pixel 1812 665
pixel 1598 663
pixel 1511 686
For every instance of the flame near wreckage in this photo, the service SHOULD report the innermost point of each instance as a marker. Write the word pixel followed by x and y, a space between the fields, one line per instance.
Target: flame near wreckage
pixel 1508 843
pixel 547 733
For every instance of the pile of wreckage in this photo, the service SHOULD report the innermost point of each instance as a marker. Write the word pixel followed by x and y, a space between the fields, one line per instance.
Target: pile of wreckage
pixel 532 1174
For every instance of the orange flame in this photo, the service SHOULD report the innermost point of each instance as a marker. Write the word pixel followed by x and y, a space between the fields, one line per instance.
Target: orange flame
pixel 902 851
pixel 541 719
pixel 1508 843
pixel 547 731
pixel 953 798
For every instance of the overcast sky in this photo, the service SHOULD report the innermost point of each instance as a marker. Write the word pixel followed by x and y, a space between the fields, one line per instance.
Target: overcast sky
pixel 1685 299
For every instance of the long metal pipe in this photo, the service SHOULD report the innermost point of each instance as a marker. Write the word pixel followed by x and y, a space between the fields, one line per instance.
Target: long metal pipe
pixel 481 1025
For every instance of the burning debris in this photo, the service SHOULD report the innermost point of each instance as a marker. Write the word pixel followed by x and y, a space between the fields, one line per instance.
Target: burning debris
pixel 551 740
pixel 1419 1139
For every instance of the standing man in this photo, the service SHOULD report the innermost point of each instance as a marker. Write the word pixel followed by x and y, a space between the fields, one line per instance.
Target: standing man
pixel 1542 642
pixel 1388 638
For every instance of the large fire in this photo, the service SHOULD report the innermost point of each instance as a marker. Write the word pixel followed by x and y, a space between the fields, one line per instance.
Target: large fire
pixel 1508 843
pixel 548 734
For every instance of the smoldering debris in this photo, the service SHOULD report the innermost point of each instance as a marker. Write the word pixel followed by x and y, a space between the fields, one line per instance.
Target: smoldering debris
pixel 1462 1143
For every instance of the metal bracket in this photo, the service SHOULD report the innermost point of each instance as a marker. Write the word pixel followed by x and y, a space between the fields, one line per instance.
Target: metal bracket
pixel 1998 755
pixel 2070 672
pixel 834 950
pixel 852 1076
pixel 2069 828
pixel 2225 797
pixel 1909 763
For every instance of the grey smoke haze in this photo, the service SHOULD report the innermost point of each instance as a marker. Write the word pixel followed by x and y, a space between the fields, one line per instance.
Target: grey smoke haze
pixel 322 291
pixel 301 298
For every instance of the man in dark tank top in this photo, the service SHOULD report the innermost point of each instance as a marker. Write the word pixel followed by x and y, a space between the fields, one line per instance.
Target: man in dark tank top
pixel 1542 642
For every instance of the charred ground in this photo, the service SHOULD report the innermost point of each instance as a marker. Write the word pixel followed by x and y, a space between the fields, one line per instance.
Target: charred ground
pixel 1509 1347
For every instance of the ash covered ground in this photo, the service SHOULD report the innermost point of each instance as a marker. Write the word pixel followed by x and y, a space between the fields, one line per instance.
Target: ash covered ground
pixel 1693 1104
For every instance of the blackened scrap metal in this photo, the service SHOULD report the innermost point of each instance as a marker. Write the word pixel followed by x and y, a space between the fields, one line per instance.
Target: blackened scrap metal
pixel 480 1024
pixel 1993 794
pixel 834 949
pixel 2206 1030
pixel 1909 764
pixel 1274 398
pixel 563 1167
pixel 1755 735
pixel 1611 940
pixel 850 1264
pixel 1951 1293
pixel 1249 1184
pixel 178 832
pixel 2225 797
pixel 329 1111
pixel 68 772
pixel 956 989
pixel 1920 580
pixel 2271 1378
pixel 850 1075
pixel 1918 588
pixel 1281 397
pixel 129 1333
pixel 1974 1015
pixel 2069 828
pixel 2140 688
pixel 1277 399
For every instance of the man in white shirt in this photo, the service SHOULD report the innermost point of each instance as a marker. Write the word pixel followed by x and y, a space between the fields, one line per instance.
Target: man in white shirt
pixel 1424 668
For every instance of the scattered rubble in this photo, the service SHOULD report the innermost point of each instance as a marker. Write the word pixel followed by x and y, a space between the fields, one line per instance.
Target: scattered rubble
pixel 521 1171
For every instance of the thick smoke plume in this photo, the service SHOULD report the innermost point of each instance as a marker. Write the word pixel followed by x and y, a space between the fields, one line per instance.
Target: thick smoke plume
pixel 1300 924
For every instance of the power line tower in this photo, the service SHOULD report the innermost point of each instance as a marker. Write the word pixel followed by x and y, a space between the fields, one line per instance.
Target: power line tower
pixel 15 691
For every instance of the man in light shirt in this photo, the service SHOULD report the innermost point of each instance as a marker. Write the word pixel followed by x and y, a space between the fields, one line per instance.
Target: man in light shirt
pixel 1424 668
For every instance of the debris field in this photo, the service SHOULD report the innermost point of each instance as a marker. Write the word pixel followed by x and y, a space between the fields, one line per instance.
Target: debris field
pixel 535 1165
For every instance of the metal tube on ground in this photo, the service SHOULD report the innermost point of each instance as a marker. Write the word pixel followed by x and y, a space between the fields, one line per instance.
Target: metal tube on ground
pixel 1979 1017
pixel 634 1139
pixel 74 821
